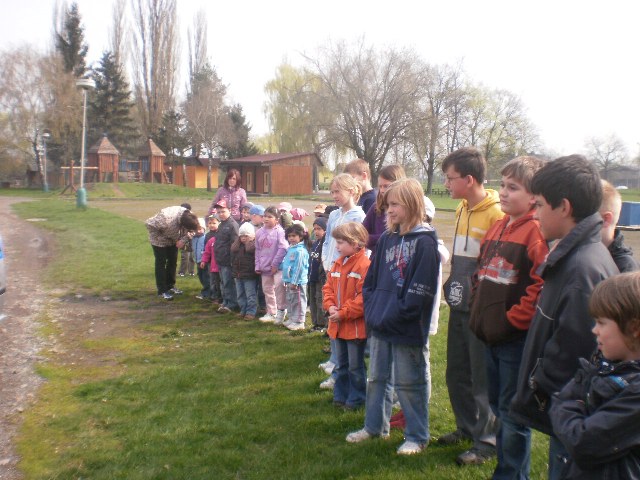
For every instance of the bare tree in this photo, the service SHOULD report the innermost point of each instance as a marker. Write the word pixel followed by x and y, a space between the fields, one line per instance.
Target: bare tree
pixel 22 105
pixel 369 94
pixel 607 153
pixel 197 39
pixel 155 62
pixel 208 123
pixel 119 32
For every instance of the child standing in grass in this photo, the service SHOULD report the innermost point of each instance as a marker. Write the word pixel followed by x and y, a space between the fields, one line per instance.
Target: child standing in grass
pixel 271 246
pixel 317 276
pixel 596 415
pixel 197 248
pixel 209 258
pixel 243 259
pixel 343 300
pixel 345 191
pixel 295 274
pixel 399 292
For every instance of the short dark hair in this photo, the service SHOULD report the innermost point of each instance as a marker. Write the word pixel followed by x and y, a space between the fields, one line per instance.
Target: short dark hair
pixel 189 221
pixel 572 177
pixel 617 298
pixel 467 161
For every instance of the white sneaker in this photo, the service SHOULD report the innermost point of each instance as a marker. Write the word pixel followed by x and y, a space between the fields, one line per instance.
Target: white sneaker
pixel 268 318
pixel 325 365
pixel 360 436
pixel 280 316
pixel 328 384
pixel 410 448
pixel 329 368
pixel 296 326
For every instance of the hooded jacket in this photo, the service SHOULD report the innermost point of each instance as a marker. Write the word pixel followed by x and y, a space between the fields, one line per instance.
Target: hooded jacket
pixel 596 416
pixel 560 331
pixel 209 256
pixel 343 290
pixel 401 285
pixel 271 246
pixel 243 259
pixel 295 265
pixel 622 255
pixel 506 285
pixel 471 226
pixel 336 218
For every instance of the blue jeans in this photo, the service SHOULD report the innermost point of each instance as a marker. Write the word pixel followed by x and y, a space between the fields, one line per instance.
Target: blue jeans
pixel 203 276
pixel 351 373
pixel 402 367
pixel 513 440
pixel 247 297
pixel 228 287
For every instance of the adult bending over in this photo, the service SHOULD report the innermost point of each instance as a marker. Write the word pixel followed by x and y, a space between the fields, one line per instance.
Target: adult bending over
pixel 169 230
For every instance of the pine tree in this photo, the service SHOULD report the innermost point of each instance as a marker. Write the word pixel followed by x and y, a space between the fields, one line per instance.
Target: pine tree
pixel 70 42
pixel 240 146
pixel 111 106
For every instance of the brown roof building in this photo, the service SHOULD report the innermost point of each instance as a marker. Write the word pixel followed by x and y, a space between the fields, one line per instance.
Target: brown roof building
pixel 277 173
pixel 103 160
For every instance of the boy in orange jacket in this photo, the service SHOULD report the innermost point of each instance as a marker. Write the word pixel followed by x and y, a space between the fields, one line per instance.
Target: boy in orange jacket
pixel 342 294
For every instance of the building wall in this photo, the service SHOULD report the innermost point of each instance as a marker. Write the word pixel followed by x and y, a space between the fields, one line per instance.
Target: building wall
pixel 291 180
pixel 196 176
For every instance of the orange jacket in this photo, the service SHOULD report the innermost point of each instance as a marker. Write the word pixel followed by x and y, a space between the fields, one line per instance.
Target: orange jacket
pixel 344 291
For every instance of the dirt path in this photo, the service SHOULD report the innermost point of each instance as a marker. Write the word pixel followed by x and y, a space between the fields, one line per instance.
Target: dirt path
pixel 27 251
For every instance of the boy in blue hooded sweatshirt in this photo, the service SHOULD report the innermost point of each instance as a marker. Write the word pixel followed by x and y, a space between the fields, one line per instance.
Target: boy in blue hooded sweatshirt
pixel 398 293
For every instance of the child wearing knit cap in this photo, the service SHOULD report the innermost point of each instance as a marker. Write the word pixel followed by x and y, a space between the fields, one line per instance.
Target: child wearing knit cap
pixel 243 258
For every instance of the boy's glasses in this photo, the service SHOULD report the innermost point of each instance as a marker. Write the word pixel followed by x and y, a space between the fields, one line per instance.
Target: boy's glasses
pixel 450 179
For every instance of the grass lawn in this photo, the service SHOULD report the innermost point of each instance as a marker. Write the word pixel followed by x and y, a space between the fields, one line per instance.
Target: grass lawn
pixel 178 392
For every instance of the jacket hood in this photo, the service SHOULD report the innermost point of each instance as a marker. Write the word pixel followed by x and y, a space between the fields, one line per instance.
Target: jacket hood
pixel 492 198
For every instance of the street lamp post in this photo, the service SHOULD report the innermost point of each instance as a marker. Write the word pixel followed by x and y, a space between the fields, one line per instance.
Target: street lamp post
pixel 45 136
pixel 85 84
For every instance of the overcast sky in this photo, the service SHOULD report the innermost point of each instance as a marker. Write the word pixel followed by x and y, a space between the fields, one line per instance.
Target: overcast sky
pixel 574 63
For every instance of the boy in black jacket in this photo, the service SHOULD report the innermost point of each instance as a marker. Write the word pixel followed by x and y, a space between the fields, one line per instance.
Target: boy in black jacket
pixel 568 195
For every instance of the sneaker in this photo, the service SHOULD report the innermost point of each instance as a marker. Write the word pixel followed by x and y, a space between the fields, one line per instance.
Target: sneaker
pixel 224 309
pixel 175 291
pixel 452 438
pixel 249 317
pixel 280 316
pixel 199 297
pixel 328 384
pixel 329 368
pixel 325 365
pixel 361 436
pixel 166 296
pixel 410 448
pixel 474 456
pixel 268 318
pixel 181 274
pixel 296 326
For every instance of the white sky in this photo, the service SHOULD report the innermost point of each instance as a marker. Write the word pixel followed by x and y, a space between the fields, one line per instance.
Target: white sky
pixel 574 63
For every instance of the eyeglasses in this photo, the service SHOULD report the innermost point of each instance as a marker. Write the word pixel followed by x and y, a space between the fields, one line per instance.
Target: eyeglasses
pixel 451 179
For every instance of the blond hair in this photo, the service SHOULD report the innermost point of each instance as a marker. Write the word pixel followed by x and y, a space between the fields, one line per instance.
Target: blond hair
pixel 611 201
pixel 522 169
pixel 344 181
pixel 408 193
pixel 353 233
pixel 618 298
pixel 358 167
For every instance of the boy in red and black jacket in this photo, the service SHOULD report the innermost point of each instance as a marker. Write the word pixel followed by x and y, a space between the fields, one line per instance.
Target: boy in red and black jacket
pixel 505 290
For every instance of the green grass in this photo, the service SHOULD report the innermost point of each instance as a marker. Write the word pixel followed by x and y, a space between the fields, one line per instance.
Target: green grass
pixel 193 395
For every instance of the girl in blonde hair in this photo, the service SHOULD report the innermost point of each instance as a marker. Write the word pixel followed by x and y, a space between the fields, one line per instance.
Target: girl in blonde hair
pixel 398 295
pixel 345 191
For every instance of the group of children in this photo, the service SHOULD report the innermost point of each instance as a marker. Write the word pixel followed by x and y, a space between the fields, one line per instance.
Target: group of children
pixel 532 271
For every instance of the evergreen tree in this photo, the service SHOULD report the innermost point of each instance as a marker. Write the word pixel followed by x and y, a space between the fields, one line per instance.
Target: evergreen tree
pixel 111 106
pixel 239 146
pixel 70 42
